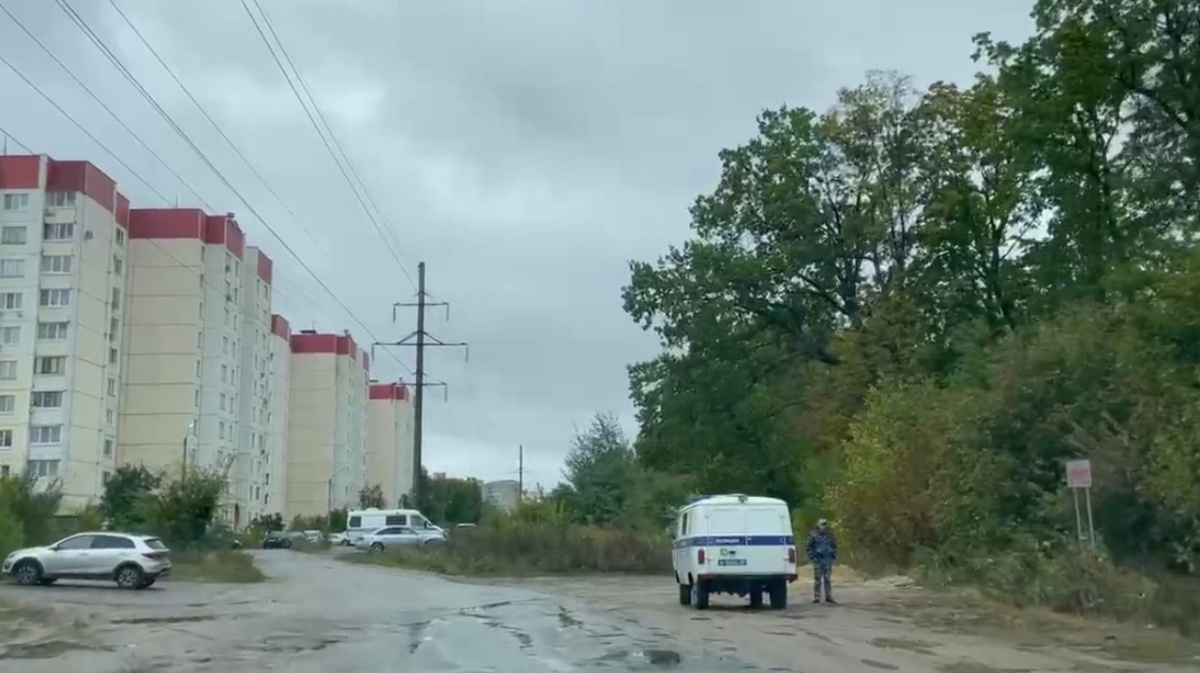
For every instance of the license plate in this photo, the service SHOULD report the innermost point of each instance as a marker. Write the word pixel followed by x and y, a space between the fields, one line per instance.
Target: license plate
pixel 731 562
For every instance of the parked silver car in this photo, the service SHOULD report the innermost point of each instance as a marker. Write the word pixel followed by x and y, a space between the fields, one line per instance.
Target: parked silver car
pixel 399 536
pixel 132 561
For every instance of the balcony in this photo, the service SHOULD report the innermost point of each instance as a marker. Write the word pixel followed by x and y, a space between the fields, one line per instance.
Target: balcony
pixel 60 216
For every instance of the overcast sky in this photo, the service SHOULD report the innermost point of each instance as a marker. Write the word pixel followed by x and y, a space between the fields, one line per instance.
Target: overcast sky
pixel 524 149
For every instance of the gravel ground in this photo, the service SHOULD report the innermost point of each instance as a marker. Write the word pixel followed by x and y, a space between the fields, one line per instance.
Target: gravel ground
pixel 317 613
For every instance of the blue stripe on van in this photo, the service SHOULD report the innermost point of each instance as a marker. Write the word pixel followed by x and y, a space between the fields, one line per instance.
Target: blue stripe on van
pixel 736 541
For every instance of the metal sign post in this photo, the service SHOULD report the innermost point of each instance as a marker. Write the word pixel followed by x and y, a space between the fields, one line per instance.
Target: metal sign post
pixel 1079 478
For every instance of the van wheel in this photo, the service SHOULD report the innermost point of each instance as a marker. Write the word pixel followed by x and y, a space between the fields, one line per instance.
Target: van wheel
pixel 685 594
pixel 700 595
pixel 778 591
pixel 756 598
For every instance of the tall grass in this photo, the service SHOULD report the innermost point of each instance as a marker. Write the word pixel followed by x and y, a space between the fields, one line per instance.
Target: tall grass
pixel 520 547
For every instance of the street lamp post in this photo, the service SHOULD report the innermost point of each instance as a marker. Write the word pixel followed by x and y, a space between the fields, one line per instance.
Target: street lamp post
pixel 183 464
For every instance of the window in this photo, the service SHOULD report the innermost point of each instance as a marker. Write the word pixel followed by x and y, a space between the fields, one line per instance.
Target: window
pixel 16 201
pixel 10 335
pixel 63 231
pixel 56 264
pixel 4 470
pixel 120 236
pixel 225 345
pixel 54 364
pixel 112 356
pixel 55 297
pixel 224 373
pixel 8 370
pixel 221 429
pixel 5 439
pixel 222 401
pixel 12 235
pixel 114 326
pixel 60 199
pixel 78 542
pixel 198 368
pixel 112 541
pixel 12 268
pixel 197 403
pixel 108 447
pixel 8 404
pixel 396 520
pixel 116 297
pixel 112 387
pixel 45 434
pixel 10 301
pixel 118 265
pixel 105 476
pixel 52 331
pixel 46 399
pixel 109 417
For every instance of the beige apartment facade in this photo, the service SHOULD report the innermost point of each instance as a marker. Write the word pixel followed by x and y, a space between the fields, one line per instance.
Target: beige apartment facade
pixel 63 246
pixel 326 450
pixel 390 440
pixel 180 400
pixel 280 355
pixel 248 477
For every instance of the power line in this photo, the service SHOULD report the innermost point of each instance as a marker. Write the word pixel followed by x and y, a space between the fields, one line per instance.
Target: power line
pixel 168 253
pixel 313 120
pixel 116 61
pixel 213 122
pixel 101 103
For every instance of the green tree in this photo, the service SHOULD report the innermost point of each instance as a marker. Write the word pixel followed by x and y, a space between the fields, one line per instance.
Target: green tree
pixel 126 487
pixel 371 496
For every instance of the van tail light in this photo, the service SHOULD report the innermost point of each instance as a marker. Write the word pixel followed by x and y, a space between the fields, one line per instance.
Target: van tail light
pixel 792 555
pixel 700 556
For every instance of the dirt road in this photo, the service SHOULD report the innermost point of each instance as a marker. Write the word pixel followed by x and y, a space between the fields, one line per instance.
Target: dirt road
pixel 320 614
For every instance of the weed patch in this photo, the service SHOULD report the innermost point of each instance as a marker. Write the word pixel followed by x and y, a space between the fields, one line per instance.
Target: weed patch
pixel 218 566
pixel 515 548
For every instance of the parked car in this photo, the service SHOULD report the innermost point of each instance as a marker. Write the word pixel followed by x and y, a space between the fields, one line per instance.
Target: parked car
pixel 340 539
pixel 276 540
pixel 132 561
pixel 399 537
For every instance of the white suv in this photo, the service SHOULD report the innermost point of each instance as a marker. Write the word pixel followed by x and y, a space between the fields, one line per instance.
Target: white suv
pixel 132 561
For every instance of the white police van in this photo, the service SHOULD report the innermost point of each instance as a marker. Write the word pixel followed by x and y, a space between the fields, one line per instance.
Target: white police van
pixel 734 544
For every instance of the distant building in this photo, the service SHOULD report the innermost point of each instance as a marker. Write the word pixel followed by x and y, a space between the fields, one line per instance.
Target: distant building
pixel 327 419
pixel 503 494
pixel 390 440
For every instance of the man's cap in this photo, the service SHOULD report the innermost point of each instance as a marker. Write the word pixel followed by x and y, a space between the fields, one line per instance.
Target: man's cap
pixel 822 522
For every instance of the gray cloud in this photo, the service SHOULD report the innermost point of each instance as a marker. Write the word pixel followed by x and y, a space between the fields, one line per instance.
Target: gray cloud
pixel 525 149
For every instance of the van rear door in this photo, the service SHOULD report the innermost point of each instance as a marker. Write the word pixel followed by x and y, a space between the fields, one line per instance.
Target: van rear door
pixel 769 535
pixel 749 539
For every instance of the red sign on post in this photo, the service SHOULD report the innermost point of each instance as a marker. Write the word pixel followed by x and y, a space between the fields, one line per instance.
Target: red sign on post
pixel 1079 473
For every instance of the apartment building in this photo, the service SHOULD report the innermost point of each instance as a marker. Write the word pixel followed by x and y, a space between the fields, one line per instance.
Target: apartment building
pixel 326 451
pixel 280 356
pixel 390 440
pixel 183 333
pixel 503 495
pixel 248 476
pixel 62 292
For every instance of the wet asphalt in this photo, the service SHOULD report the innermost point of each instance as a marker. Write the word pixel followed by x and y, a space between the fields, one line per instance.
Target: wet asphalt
pixel 317 613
